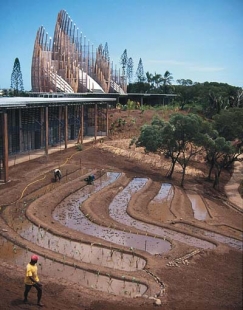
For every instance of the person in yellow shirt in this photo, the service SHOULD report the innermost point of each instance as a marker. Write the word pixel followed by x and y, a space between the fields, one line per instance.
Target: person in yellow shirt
pixel 32 280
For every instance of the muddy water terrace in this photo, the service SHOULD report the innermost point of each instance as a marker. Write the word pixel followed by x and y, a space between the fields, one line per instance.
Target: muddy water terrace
pixel 69 214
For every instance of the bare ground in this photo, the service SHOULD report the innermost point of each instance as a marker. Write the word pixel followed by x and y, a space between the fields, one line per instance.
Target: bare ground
pixel 211 280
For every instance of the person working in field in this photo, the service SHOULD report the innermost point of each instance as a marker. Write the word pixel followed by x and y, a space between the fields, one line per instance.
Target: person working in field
pixel 57 174
pixel 32 280
pixel 90 179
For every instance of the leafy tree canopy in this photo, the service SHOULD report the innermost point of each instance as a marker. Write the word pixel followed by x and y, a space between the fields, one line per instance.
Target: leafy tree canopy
pixel 229 124
pixel 179 139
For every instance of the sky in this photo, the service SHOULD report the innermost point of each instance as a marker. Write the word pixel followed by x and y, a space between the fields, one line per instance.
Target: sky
pixel 200 40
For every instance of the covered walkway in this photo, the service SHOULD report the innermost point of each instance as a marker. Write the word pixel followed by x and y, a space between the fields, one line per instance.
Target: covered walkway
pixel 31 127
pixel 20 158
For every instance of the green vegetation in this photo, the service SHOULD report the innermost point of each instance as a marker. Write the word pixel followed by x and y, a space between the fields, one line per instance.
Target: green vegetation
pixel 229 123
pixel 184 136
pixel 208 98
pixel 79 147
pixel 16 79
pixel 140 72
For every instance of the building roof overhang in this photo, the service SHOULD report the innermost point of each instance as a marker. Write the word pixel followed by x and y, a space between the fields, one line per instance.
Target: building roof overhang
pixel 21 102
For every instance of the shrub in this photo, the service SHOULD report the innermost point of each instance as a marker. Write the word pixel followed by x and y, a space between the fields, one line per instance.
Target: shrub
pixel 79 147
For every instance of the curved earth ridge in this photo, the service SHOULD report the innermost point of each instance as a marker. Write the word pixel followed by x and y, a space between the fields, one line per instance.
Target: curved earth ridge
pixel 65 268
pixel 68 213
pixel 158 261
pixel 131 285
pixel 129 188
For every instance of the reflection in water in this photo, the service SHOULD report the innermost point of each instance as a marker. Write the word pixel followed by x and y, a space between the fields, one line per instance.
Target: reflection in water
pixel 117 210
pixel 198 206
pixel 234 243
pixel 87 253
pixel 68 213
pixel 16 255
pixel 159 207
pixel 165 193
pixel 94 254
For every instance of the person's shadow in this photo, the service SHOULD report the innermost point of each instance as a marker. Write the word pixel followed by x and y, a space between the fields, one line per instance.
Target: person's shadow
pixel 19 304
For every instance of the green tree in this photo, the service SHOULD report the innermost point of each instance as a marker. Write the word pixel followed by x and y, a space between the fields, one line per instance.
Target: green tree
pixel 16 78
pixel 150 136
pixel 130 69
pixel 230 154
pixel 215 97
pixel 188 133
pixel 170 147
pixel 184 91
pixel 138 87
pixel 157 80
pixel 216 103
pixel 123 62
pixel 214 148
pixel 100 49
pixel 229 124
pixel 167 81
pixel 220 154
pixel 106 52
pixel 179 139
pixel 140 72
pixel 211 98
pixel 239 98
pixel 149 78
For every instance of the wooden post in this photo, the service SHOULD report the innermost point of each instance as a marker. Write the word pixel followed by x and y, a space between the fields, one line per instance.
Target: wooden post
pixel 66 125
pixel 59 125
pixel 107 120
pixel 47 130
pixel 42 120
pixel 21 140
pixel 95 129
pixel 82 124
pixel 81 129
pixel 5 147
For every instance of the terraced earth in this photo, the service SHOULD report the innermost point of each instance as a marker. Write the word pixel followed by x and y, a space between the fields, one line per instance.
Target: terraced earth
pixel 129 241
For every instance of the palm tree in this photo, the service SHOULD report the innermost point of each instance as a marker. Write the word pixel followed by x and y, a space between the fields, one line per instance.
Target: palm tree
pixel 149 77
pixel 157 79
pixel 150 80
pixel 167 79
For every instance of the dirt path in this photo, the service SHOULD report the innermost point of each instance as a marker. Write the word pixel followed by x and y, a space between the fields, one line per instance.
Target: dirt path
pixel 232 187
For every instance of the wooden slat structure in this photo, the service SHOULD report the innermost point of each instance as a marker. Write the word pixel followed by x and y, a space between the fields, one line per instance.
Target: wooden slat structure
pixel 69 63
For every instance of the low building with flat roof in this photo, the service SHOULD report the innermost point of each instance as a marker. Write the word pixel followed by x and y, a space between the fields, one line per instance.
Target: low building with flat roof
pixel 28 124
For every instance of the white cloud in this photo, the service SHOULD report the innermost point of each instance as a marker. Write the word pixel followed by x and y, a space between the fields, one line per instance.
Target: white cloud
pixel 206 69
pixel 168 62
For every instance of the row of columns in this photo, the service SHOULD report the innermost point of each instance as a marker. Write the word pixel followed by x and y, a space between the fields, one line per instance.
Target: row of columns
pixel 4 121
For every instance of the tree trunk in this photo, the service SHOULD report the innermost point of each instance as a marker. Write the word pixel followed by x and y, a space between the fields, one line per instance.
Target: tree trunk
pixel 216 178
pixel 172 167
pixel 183 176
pixel 210 170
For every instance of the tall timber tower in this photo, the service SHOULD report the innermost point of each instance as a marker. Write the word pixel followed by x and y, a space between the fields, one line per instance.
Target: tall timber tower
pixel 68 62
